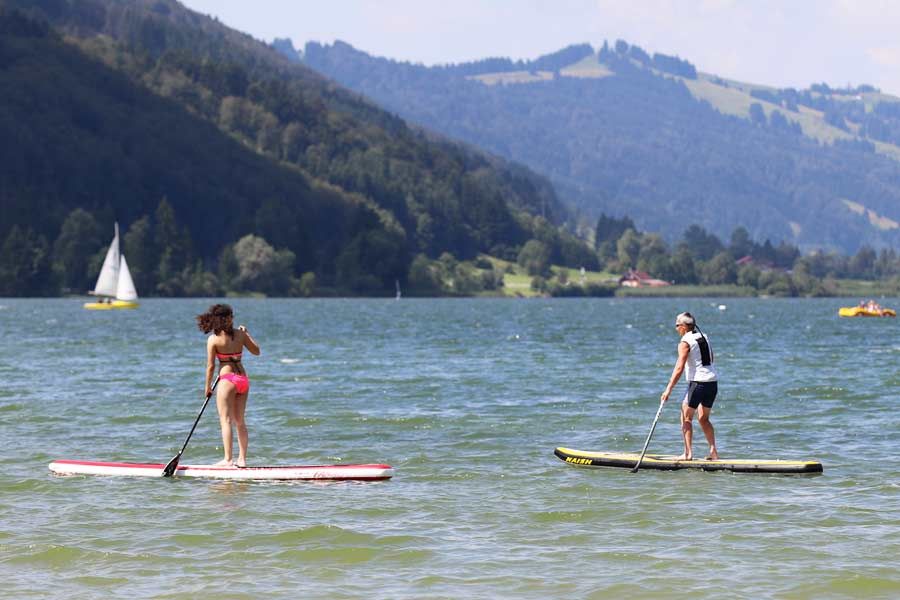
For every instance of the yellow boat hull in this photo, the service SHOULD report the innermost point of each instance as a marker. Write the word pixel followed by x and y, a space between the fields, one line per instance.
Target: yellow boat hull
pixel 858 311
pixel 114 305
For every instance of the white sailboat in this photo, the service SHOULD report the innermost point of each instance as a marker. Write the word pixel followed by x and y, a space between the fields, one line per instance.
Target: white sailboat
pixel 114 284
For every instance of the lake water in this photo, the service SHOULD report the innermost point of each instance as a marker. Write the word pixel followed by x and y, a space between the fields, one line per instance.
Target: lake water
pixel 467 400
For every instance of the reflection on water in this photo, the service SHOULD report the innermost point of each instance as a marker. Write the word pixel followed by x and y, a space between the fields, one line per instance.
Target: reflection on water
pixel 228 488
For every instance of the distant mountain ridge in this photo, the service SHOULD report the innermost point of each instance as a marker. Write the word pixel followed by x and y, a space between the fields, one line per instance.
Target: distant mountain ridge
pixel 621 132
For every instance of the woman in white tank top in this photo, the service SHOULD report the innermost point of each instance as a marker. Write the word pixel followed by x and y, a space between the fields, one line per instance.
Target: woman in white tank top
pixel 696 356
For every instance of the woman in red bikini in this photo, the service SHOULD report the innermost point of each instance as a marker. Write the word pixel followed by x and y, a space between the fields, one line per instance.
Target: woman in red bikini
pixel 226 344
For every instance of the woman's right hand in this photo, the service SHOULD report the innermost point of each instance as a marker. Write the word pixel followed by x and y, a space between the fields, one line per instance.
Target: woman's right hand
pixel 207 391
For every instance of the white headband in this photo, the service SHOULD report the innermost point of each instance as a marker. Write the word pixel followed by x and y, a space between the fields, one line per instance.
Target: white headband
pixel 684 319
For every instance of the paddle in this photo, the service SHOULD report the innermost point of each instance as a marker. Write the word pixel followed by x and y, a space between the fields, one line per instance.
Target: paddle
pixel 173 464
pixel 649 435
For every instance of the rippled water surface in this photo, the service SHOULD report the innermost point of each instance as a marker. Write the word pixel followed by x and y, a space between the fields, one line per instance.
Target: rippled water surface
pixel 466 399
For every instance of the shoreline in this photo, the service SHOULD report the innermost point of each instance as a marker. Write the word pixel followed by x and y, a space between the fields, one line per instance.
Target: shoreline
pixel 618 293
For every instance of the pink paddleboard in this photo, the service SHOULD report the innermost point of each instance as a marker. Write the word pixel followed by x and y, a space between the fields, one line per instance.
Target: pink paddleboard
pixel 367 472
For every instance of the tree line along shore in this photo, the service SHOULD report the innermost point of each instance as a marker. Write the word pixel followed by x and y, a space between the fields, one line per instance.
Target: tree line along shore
pixel 625 262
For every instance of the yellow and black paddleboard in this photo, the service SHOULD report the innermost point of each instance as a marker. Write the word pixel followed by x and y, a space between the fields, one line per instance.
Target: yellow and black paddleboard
pixel 627 460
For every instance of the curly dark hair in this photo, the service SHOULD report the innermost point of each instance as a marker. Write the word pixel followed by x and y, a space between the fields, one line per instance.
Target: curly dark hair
pixel 215 319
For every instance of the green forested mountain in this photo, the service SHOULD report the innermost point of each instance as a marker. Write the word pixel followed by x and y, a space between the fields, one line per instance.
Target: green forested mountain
pixel 193 135
pixel 624 133
pixel 77 134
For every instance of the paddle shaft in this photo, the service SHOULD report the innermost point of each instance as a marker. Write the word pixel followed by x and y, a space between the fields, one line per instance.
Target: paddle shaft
pixel 173 464
pixel 649 435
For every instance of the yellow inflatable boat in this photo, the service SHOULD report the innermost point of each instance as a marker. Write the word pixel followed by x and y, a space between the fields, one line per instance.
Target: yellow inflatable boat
pixel 860 311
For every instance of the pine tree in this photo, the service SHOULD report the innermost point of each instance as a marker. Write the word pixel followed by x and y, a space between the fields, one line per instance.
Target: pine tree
pixel 79 240
pixel 25 268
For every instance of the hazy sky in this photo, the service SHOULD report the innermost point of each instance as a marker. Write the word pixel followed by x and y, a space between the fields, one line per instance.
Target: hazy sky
pixel 776 42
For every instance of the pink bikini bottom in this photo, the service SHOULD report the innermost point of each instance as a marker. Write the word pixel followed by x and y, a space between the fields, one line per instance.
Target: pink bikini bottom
pixel 241 382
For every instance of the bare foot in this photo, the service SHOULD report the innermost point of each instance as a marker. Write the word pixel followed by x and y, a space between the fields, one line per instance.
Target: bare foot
pixel 240 463
pixel 224 463
pixel 683 457
pixel 713 456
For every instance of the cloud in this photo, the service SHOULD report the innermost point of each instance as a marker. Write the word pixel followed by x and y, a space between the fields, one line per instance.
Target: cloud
pixel 885 56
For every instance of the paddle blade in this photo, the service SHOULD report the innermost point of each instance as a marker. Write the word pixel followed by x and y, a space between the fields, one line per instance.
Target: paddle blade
pixel 173 464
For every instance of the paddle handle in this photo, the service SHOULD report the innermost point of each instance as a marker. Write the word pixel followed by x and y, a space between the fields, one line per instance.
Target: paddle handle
pixel 170 468
pixel 649 435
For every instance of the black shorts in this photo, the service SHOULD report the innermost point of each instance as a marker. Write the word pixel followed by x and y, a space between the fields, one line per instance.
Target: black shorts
pixel 701 392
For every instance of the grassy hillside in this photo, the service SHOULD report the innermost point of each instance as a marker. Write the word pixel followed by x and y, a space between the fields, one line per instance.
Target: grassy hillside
pixel 519 284
pixel 735 98
pixel 623 133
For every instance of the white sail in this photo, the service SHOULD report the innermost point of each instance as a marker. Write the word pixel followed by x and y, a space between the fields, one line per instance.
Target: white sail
pixel 125 289
pixel 108 280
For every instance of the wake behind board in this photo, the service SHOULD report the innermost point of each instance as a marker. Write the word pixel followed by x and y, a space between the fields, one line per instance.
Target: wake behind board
pixel 367 472
pixel 627 460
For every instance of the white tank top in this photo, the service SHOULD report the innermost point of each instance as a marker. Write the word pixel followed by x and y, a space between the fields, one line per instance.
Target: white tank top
pixel 696 370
